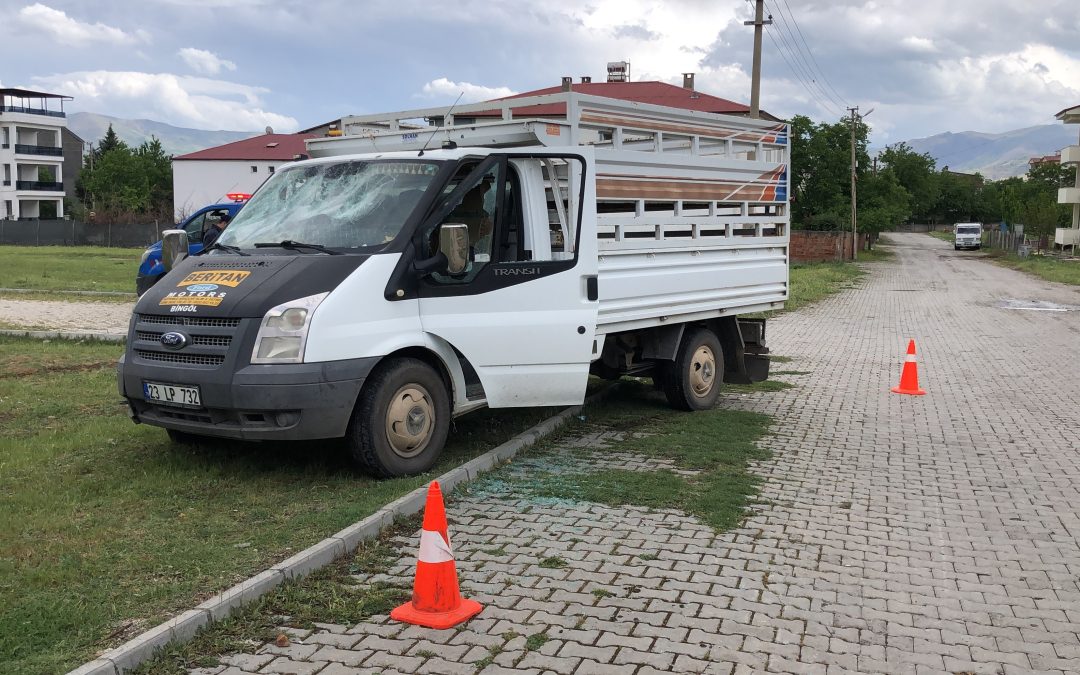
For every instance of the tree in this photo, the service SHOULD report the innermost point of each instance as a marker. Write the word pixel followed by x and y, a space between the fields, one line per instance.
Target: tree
pixel 126 184
pixel 916 173
pixel 883 203
pixel 821 173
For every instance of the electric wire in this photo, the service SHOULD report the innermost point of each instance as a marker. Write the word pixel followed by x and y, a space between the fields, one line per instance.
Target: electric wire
pixel 803 80
pixel 839 98
pixel 797 53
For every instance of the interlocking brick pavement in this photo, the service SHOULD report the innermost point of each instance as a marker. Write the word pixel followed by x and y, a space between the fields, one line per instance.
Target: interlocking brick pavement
pixel 896 534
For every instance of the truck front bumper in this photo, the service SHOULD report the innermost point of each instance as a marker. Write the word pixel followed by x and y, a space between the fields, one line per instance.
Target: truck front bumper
pixel 257 402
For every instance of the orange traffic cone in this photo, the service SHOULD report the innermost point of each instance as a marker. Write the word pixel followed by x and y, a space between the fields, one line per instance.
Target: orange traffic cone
pixel 909 377
pixel 436 601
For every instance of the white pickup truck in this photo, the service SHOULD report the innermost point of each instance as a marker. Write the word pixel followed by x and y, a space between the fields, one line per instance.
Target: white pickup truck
pixel 392 282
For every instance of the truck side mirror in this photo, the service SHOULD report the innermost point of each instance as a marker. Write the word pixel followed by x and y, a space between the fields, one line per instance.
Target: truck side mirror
pixel 174 247
pixel 454 244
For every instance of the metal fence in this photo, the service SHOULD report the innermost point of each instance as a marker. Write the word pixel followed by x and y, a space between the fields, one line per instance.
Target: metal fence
pixel 78 233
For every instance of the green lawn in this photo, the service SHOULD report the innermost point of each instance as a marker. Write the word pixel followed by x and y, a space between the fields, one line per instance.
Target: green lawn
pixel 1061 270
pixel 107 528
pixel 943 236
pixel 69 268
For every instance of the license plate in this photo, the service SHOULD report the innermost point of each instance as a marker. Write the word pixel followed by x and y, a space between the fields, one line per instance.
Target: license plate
pixel 172 394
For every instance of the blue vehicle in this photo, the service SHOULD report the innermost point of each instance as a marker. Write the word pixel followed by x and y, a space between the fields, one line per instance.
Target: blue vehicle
pixel 151 269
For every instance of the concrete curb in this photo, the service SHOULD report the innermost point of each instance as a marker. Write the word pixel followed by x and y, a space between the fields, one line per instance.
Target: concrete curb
pixel 65 335
pixel 129 655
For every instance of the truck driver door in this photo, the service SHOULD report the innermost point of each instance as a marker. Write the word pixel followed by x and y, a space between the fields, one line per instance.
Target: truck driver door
pixel 524 310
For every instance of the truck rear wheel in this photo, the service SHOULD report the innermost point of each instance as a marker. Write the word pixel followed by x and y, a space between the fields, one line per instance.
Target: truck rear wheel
pixel 401 420
pixel 692 381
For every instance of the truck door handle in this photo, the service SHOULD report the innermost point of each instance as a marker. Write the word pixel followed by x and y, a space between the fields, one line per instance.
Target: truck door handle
pixel 592 291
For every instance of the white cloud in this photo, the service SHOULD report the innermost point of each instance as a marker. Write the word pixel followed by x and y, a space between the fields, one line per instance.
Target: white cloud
pixel 186 101
pixel 59 25
pixel 470 93
pixel 202 61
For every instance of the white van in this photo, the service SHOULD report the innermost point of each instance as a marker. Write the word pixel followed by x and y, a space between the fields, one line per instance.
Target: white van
pixel 967 235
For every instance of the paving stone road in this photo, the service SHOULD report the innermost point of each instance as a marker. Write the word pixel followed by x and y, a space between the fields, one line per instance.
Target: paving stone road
pixel 936 534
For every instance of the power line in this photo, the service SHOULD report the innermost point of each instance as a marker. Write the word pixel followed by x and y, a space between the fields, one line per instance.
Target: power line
pixel 797 51
pixel 802 80
pixel 793 65
pixel 811 52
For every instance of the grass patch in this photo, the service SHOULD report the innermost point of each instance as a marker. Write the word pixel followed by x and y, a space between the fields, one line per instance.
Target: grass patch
pixel 602 593
pixel 717 443
pixel 943 236
pixel 536 641
pixel 1059 270
pixel 71 268
pixel 813 282
pixel 553 563
pixel 108 528
pixel 61 296
pixel 766 385
pixel 876 255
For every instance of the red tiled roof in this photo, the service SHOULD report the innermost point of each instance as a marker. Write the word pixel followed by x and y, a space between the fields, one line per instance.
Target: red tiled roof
pixel 273 147
pixel 656 93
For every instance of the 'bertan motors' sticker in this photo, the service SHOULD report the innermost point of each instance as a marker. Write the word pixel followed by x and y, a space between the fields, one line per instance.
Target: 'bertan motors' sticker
pixel 202 289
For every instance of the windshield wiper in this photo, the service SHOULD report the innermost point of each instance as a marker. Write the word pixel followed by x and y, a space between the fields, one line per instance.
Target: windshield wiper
pixel 223 247
pixel 296 246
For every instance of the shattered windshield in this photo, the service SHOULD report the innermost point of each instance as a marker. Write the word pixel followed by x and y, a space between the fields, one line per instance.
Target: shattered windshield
pixel 348 204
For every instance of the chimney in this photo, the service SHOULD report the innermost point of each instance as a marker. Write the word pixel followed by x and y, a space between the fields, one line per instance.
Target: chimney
pixel 567 83
pixel 688 81
pixel 585 79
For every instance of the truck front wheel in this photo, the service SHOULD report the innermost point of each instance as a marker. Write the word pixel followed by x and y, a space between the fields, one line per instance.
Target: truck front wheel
pixel 692 381
pixel 401 420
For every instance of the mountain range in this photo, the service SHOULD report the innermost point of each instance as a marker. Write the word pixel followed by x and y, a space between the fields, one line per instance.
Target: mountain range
pixel 91 127
pixel 995 156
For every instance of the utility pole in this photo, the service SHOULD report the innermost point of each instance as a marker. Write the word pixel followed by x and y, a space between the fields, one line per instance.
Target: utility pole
pixel 755 82
pixel 854 210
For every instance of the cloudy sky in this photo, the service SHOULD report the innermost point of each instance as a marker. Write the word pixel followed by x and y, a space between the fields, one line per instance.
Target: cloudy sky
pixel 923 66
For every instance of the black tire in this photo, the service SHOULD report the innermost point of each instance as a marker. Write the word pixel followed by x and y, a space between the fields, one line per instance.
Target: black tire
pixel 692 381
pixel 412 391
pixel 955 247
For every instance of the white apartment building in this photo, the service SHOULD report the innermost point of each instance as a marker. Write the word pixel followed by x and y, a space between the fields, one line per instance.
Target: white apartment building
pixel 31 154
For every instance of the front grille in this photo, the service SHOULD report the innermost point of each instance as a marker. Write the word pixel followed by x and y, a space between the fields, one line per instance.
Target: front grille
pixel 209 339
pixel 201 340
pixel 186 359
pixel 206 322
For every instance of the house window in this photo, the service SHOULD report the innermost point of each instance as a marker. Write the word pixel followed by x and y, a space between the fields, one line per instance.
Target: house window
pixel 254 169
pixel 269 169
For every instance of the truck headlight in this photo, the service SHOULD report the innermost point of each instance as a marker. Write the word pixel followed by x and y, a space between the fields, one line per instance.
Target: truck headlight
pixel 283 332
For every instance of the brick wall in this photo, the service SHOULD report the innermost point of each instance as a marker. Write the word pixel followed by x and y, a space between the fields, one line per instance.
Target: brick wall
pixel 812 246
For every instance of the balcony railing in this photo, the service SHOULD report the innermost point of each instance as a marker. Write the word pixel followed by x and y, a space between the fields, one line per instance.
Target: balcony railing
pixel 39 185
pixel 31 111
pixel 39 150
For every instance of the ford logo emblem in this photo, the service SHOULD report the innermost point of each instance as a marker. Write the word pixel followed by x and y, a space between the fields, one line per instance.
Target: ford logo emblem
pixel 174 340
pixel 199 288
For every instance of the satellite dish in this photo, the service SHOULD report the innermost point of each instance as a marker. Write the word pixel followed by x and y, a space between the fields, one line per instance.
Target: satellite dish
pixel 269 130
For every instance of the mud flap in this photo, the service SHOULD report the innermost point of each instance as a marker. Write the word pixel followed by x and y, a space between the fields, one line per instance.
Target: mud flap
pixel 745 355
